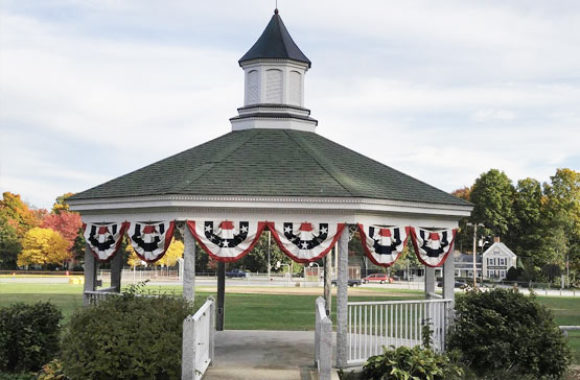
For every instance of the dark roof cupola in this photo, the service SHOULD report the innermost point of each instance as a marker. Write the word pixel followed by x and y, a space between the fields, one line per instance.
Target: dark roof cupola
pixel 275 43
pixel 274 70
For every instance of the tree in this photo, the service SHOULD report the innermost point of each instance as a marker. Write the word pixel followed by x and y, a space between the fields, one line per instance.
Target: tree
pixel 9 244
pixel 65 222
pixel 43 246
pixel 174 252
pixel 18 214
pixel 492 196
pixel 526 234
pixel 464 236
pixel 257 259
pixel 562 209
pixel 61 203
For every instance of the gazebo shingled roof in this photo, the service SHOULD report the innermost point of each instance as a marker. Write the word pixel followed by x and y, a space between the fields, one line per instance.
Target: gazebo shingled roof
pixel 270 162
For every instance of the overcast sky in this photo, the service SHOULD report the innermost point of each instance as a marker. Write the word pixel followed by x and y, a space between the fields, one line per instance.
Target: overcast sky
pixel 441 90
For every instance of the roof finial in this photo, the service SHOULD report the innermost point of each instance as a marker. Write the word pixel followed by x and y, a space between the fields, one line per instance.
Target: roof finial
pixel 276 9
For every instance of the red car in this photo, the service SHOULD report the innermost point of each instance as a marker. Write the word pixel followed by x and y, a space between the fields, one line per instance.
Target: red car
pixel 381 278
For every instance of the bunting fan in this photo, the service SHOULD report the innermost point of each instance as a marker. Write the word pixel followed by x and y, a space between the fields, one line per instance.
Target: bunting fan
pixel 104 239
pixel 151 240
pixel 306 242
pixel 383 245
pixel 432 247
pixel 225 240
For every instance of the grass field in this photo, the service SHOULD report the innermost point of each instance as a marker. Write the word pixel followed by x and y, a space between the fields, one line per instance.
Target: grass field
pixel 269 308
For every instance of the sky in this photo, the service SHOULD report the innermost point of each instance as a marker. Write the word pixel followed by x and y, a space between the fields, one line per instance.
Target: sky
pixel 441 90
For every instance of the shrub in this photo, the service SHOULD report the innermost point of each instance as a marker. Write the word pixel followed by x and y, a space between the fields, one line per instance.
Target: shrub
pixel 411 363
pixel 52 371
pixel 502 331
pixel 126 337
pixel 29 336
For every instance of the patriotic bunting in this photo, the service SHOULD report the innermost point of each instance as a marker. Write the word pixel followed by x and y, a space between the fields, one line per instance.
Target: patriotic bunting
pixel 151 240
pixel 305 242
pixel 104 238
pixel 383 245
pixel 432 247
pixel 226 240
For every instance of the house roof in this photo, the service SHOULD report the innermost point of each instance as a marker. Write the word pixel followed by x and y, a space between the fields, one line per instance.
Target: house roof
pixel 275 43
pixel 501 246
pixel 465 258
pixel 271 162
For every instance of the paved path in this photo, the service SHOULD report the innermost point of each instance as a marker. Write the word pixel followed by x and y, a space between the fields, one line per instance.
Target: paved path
pixel 267 355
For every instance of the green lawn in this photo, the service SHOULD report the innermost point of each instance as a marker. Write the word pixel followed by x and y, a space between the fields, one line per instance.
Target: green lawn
pixel 265 311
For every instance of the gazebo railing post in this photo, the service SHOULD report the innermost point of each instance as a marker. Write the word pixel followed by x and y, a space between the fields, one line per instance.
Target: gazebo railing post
pixel 116 270
pixel 90 271
pixel 188 265
pixel 342 300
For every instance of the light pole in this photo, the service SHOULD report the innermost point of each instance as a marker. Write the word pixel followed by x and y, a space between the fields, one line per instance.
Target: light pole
pixel 269 266
pixel 475 225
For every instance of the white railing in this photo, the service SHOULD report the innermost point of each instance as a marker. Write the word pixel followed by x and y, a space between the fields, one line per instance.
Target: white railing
pixel 198 341
pixel 323 341
pixel 372 325
pixel 95 296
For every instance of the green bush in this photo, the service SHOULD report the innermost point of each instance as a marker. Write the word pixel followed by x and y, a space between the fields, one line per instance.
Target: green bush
pixel 16 376
pixel 126 337
pixel 411 363
pixel 29 336
pixel 503 331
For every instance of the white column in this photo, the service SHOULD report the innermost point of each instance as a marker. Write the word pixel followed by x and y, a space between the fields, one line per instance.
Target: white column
pixel 188 265
pixel 449 279
pixel 429 281
pixel 90 271
pixel 342 300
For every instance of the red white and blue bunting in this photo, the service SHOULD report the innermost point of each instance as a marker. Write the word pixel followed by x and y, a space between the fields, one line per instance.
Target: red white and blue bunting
pixel 432 247
pixel 151 240
pixel 225 240
pixel 305 242
pixel 383 245
pixel 104 239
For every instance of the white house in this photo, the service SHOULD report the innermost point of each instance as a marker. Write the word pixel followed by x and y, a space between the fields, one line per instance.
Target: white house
pixel 497 260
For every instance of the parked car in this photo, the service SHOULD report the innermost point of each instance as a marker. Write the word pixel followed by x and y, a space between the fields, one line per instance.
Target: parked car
pixel 351 282
pixel 236 273
pixel 458 284
pixel 380 278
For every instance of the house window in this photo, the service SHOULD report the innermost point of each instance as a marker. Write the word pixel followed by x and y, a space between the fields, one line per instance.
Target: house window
pixel 502 274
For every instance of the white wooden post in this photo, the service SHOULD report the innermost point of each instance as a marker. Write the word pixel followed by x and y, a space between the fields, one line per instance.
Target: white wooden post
pixel 188 349
pixel 116 270
pixel 342 301
pixel 90 271
pixel 188 265
pixel 429 282
pixel 449 280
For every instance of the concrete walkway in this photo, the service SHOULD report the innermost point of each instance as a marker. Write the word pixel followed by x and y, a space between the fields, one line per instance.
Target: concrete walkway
pixel 267 355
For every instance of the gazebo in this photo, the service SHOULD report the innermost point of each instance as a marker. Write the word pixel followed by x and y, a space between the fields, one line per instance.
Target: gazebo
pixel 273 171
